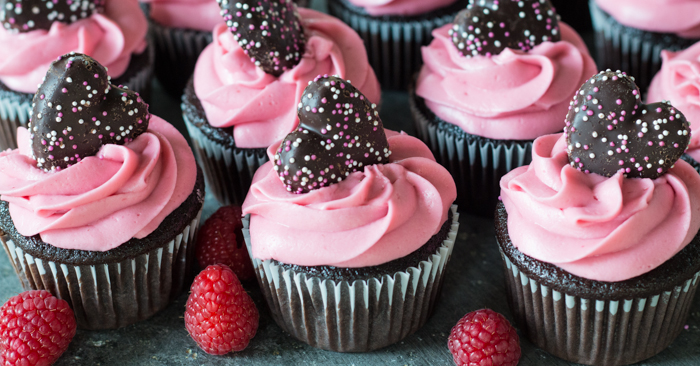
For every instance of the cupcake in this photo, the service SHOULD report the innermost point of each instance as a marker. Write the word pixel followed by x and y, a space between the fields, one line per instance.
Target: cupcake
pixel 349 242
pixel 180 29
pixel 630 34
pixel 489 86
pixel 241 99
pixel 394 31
pixel 101 201
pixel 599 233
pixel 113 31
pixel 678 82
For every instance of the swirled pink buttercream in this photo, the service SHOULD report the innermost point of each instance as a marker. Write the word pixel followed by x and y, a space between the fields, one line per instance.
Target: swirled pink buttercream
pixel 511 96
pixel 678 81
pixel 262 108
pixel 666 16
pixel 400 7
pixel 202 15
pixel 603 229
pixel 110 38
pixel 374 216
pixel 103 201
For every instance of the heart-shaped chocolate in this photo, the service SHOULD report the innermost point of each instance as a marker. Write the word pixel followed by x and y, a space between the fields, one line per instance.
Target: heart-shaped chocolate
pixel 339 132
pixel 28 15
pixel 269 32
pixel 609 129
pixel 76 110
pixel 487 27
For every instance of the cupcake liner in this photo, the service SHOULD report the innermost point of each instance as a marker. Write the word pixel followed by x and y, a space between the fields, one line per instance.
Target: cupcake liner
pixel 689 159
pixel 177 50
pixel 112 295
pixel 14 112
pixel 228 170
pixel 634 51
pixel 16 107
pixel 476 163
pixel 597 332
pixel 353 317
pixel 394 45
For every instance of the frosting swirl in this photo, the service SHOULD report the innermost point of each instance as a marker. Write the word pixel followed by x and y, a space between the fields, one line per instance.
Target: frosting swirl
pixel 262 108
pixel 603 229
pixel 111 38
pixel 202 15
pixel 104 200
pixel 400 7
pixel 513 95
pixel 665 16
pixel 372 217
pixel 678 81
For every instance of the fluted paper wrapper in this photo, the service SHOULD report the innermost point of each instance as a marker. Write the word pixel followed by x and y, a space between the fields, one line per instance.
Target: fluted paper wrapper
pixel 112 295
pixel 356 316
pixel 177 50
pixel 393 47
pixel 228 171
pixel 597 332
pixel 16 107
pixel 476 164
pixel 634 51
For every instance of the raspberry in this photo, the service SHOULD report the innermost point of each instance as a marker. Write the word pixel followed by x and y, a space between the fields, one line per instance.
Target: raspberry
pixel 221 317
pixel 484 338
pixel 220 241
pixel 35 329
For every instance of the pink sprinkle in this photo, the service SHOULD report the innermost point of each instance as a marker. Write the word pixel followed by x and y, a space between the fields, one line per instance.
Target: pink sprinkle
pixel 619 102
pixel 621 162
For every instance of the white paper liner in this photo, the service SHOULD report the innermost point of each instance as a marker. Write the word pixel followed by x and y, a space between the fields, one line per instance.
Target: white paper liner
pixel 597 332
pixel 177 50
pixel 393 48
pixel 228 171
pixel 476 165
pixel 113 295
pixel 353 317
pixel 631 50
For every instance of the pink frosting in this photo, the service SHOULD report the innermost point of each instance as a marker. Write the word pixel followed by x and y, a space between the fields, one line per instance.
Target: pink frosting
pixel 513 96
pixel 665 16
pixel 104 200
pixel 400 7
pixel 679 82
pixel 201 15
pixel 262 108
pixel 603 229
pixel 111 38
pixel 372 217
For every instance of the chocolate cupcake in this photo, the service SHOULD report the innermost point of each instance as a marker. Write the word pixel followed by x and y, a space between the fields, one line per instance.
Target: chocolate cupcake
pixel 630 34
pixel 492 81
pixel 599 234
pixel 114 31
pixel 394 32
pixel 243 98
pixel 350 227
pixel 101 201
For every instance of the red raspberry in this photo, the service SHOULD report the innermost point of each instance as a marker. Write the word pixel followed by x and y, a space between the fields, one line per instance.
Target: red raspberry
pixel 220 241
pixel 221 317
pixel 35 329
pixel 484 338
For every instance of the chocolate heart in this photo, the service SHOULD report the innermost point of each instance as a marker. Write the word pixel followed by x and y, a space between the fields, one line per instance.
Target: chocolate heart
pixel 609 129
pixel 76 111
pixel 489 26
pixel 269 32
pixel 339 132
pixel 28 15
